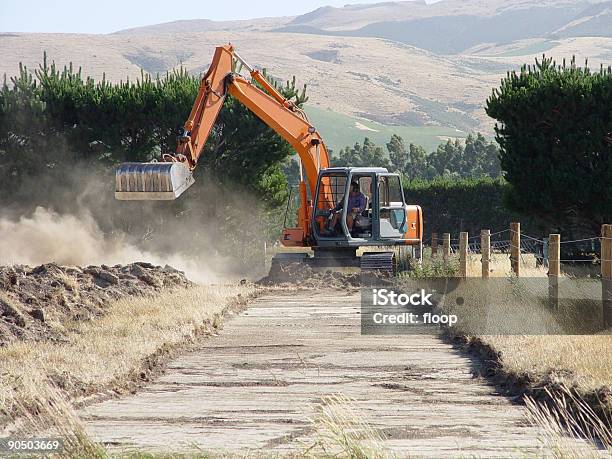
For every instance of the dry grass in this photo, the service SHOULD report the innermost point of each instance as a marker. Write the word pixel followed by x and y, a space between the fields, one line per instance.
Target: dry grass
pixel 342 431
pixel 575 432
pixel 110 351
pixel 51 415
pixel 500 266
pixel 69 282
pixel 578 361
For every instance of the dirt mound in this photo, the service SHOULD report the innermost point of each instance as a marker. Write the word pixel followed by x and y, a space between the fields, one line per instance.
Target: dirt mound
pixel 302 275
pixel 40 303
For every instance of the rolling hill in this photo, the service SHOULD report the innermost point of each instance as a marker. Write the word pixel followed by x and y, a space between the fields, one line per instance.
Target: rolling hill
pixel 453 26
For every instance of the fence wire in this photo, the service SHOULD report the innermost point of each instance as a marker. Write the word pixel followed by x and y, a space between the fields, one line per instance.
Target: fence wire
pixel 589 249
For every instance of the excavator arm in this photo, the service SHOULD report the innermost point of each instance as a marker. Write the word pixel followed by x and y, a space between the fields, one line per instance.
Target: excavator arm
pixel 268 104
pixel 169 179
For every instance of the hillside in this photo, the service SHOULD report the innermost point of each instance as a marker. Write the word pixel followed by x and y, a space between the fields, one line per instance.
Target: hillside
pixel 425 68
pixel 453 26
pixel 206 25
pixel 348 75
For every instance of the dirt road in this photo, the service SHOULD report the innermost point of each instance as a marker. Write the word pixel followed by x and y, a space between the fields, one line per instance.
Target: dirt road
pixel 258 383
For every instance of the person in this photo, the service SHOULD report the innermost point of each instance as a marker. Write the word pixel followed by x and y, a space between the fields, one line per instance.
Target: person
pixel 356 205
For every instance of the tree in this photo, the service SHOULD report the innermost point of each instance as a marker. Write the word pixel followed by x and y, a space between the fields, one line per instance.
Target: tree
pixel 447 160
pixel 56 117
pixel 476 158
pixel 417 164
pixel 554 128
pixel 366 155
pixel 397 153
pixel 480 158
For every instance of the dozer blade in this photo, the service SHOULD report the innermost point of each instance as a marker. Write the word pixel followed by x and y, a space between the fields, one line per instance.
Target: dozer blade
pixel 163 181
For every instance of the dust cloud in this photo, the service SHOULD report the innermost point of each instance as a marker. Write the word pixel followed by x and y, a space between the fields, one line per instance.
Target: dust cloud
pixel 66 239
pixel 70 216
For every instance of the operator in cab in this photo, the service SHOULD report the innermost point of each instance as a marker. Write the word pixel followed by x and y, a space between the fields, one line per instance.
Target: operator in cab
pixel 356 205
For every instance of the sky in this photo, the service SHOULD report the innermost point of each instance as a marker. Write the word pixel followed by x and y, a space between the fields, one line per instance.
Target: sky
pixel 106 16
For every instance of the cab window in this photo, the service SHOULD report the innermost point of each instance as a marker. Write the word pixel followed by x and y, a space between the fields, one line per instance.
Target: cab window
pixel 391 207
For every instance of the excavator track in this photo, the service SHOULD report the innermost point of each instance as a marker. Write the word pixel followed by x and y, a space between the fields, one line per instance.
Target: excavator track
pixel 384 262
pixel 288 264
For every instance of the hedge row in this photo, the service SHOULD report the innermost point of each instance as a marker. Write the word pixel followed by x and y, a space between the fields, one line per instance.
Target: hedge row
pixel 454 205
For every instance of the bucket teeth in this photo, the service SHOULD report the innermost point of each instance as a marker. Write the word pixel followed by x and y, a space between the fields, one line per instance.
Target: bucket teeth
pixel 152 181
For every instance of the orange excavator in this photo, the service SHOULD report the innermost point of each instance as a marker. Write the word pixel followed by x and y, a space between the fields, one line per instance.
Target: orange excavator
pixel 326 223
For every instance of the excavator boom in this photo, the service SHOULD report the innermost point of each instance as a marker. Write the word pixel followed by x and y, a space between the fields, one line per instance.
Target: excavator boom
pixel 168 179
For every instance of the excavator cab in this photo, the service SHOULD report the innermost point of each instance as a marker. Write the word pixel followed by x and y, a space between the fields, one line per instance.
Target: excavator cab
pixel 385 220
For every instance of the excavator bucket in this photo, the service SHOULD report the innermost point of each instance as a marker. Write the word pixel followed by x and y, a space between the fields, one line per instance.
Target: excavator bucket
pixel 162 181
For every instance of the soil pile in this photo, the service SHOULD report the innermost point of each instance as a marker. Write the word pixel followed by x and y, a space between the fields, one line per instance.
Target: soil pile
pixel 41 303
pixel 302 275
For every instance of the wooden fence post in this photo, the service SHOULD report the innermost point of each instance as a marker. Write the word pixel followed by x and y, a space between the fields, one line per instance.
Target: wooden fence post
pixel 463 250
pixel 434 244
pixel 515 247
pixel 554 269
pixel 606 273
pixel 446 247
pixel 485 251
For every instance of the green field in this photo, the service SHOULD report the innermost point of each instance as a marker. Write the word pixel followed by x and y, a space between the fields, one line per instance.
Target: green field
pixel 340 130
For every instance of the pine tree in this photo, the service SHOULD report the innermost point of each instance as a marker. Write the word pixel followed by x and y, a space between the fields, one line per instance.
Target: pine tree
pixel 554 128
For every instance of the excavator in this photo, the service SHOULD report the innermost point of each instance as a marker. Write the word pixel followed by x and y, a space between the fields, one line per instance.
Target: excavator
pixel 325 223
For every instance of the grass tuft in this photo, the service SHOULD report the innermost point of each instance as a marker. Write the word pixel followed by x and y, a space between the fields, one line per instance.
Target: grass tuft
pixel 343 432
pixel 570 427
pixel 49 413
